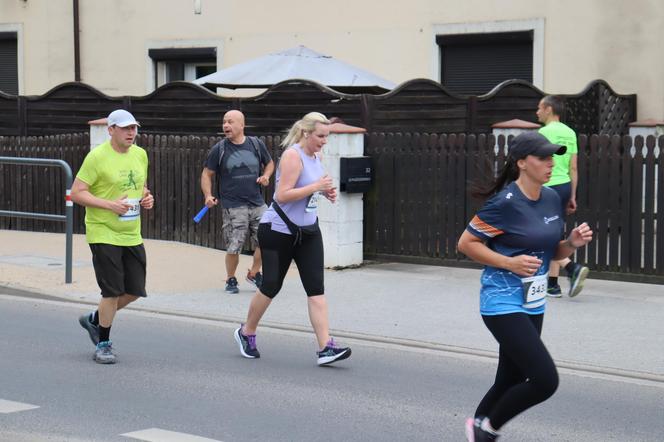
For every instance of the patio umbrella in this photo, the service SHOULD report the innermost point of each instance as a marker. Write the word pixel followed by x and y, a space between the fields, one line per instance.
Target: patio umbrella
pixel 296 63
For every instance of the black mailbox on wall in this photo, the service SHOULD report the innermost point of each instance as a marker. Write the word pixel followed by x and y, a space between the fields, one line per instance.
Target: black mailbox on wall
pixel 355 174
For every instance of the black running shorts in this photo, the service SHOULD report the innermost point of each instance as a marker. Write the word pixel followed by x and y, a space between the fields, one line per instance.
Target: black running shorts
pixel 564 191
pixel 119 269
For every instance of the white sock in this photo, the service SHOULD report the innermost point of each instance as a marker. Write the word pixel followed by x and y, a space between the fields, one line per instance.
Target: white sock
pixel 486 426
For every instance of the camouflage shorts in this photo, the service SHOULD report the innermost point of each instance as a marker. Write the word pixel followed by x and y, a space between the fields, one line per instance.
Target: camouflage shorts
pixel 237 222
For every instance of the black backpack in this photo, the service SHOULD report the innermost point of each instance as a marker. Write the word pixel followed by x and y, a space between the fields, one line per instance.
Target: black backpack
pixel 221 145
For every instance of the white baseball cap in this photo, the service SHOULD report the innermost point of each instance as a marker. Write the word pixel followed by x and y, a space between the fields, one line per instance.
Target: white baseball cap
pixel 121 118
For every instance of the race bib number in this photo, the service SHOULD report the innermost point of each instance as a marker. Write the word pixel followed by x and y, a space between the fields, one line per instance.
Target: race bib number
pixel 312 205
pixel 134 211
pixel 534 290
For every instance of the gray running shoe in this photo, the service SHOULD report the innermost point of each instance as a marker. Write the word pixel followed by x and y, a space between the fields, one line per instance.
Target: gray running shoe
pixel 247 344
pixel 231 285
pixel 93 330
pixel 104 353
pixel 577 279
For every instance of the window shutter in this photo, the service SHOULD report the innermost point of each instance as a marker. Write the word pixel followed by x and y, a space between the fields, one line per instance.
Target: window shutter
pixel 474 64
pixel 8 64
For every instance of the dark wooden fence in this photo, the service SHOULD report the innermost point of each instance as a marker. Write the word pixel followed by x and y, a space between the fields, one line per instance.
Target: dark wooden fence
pixel 420 105
pixel 174 179
pixel 418 205
pixel 40 188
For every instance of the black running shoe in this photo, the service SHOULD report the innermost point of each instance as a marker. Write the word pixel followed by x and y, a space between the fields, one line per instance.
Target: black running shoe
pixel 554 292
pixel 332 353
pixel 247 344
pixel 231 285
pixel 93 330
pixel 484 436
pixel 475 433
pixel 255 280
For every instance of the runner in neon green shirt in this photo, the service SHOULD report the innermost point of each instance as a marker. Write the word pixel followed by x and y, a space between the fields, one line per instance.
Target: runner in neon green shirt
pixel 564 166
pixel 564 180
pixel 111 175
pixel 112 185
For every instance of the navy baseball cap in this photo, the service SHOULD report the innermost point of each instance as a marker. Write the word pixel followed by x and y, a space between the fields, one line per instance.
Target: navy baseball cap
pixel 533 143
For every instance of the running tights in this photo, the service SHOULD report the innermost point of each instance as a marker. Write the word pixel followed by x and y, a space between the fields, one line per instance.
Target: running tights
pixel 526 373
pixel 279 251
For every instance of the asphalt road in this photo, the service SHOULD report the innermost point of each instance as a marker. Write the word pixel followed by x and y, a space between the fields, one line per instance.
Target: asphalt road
pixel 182 379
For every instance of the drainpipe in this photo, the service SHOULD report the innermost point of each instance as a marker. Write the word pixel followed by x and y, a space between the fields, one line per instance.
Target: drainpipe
pixel 77 45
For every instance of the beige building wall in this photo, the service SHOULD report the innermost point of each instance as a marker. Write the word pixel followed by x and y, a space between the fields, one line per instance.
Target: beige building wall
pixel 45 42
pixel 576 41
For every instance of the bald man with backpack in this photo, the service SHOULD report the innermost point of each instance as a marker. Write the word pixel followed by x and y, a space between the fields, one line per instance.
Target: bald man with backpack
pixel 242 165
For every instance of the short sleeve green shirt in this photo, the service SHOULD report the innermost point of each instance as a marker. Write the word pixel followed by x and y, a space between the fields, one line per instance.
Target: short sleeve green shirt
pixel 110 175
pixel 559 133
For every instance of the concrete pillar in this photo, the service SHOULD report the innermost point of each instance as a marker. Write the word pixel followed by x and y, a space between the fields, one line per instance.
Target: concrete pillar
pixel 511 127
pixel 98 132
pixel 341 223
pixel 646 127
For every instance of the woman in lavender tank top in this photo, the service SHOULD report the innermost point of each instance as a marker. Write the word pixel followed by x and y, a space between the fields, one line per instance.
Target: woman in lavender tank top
pixel 301 181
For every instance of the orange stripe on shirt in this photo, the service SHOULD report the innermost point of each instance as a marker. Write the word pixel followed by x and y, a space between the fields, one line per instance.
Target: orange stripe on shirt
pixel 479 225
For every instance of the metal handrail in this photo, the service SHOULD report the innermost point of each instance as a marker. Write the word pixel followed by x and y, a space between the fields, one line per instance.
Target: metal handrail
pixel 67 218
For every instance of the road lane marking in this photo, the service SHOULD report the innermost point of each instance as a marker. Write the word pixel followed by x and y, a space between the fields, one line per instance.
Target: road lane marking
pixel 12 407
pixel 159 435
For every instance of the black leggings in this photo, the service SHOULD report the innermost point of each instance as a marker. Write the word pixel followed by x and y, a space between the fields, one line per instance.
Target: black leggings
pixel 526 373
pixel 278 250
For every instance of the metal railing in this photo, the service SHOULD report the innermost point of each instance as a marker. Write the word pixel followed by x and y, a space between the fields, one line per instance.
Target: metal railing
pixel 67 218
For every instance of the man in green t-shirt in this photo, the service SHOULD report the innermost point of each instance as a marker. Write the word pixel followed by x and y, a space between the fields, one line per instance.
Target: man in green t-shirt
pixel 564 180
pixel 112 185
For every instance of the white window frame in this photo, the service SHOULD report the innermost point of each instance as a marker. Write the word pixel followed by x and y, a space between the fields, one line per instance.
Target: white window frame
pixel 185 44
pixel 189 71
pixel 535 25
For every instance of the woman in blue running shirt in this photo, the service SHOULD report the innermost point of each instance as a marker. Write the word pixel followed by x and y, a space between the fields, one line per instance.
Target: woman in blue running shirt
pixel 515 235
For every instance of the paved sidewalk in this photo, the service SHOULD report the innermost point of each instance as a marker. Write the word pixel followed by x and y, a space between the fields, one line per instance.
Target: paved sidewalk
pixel 611 327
